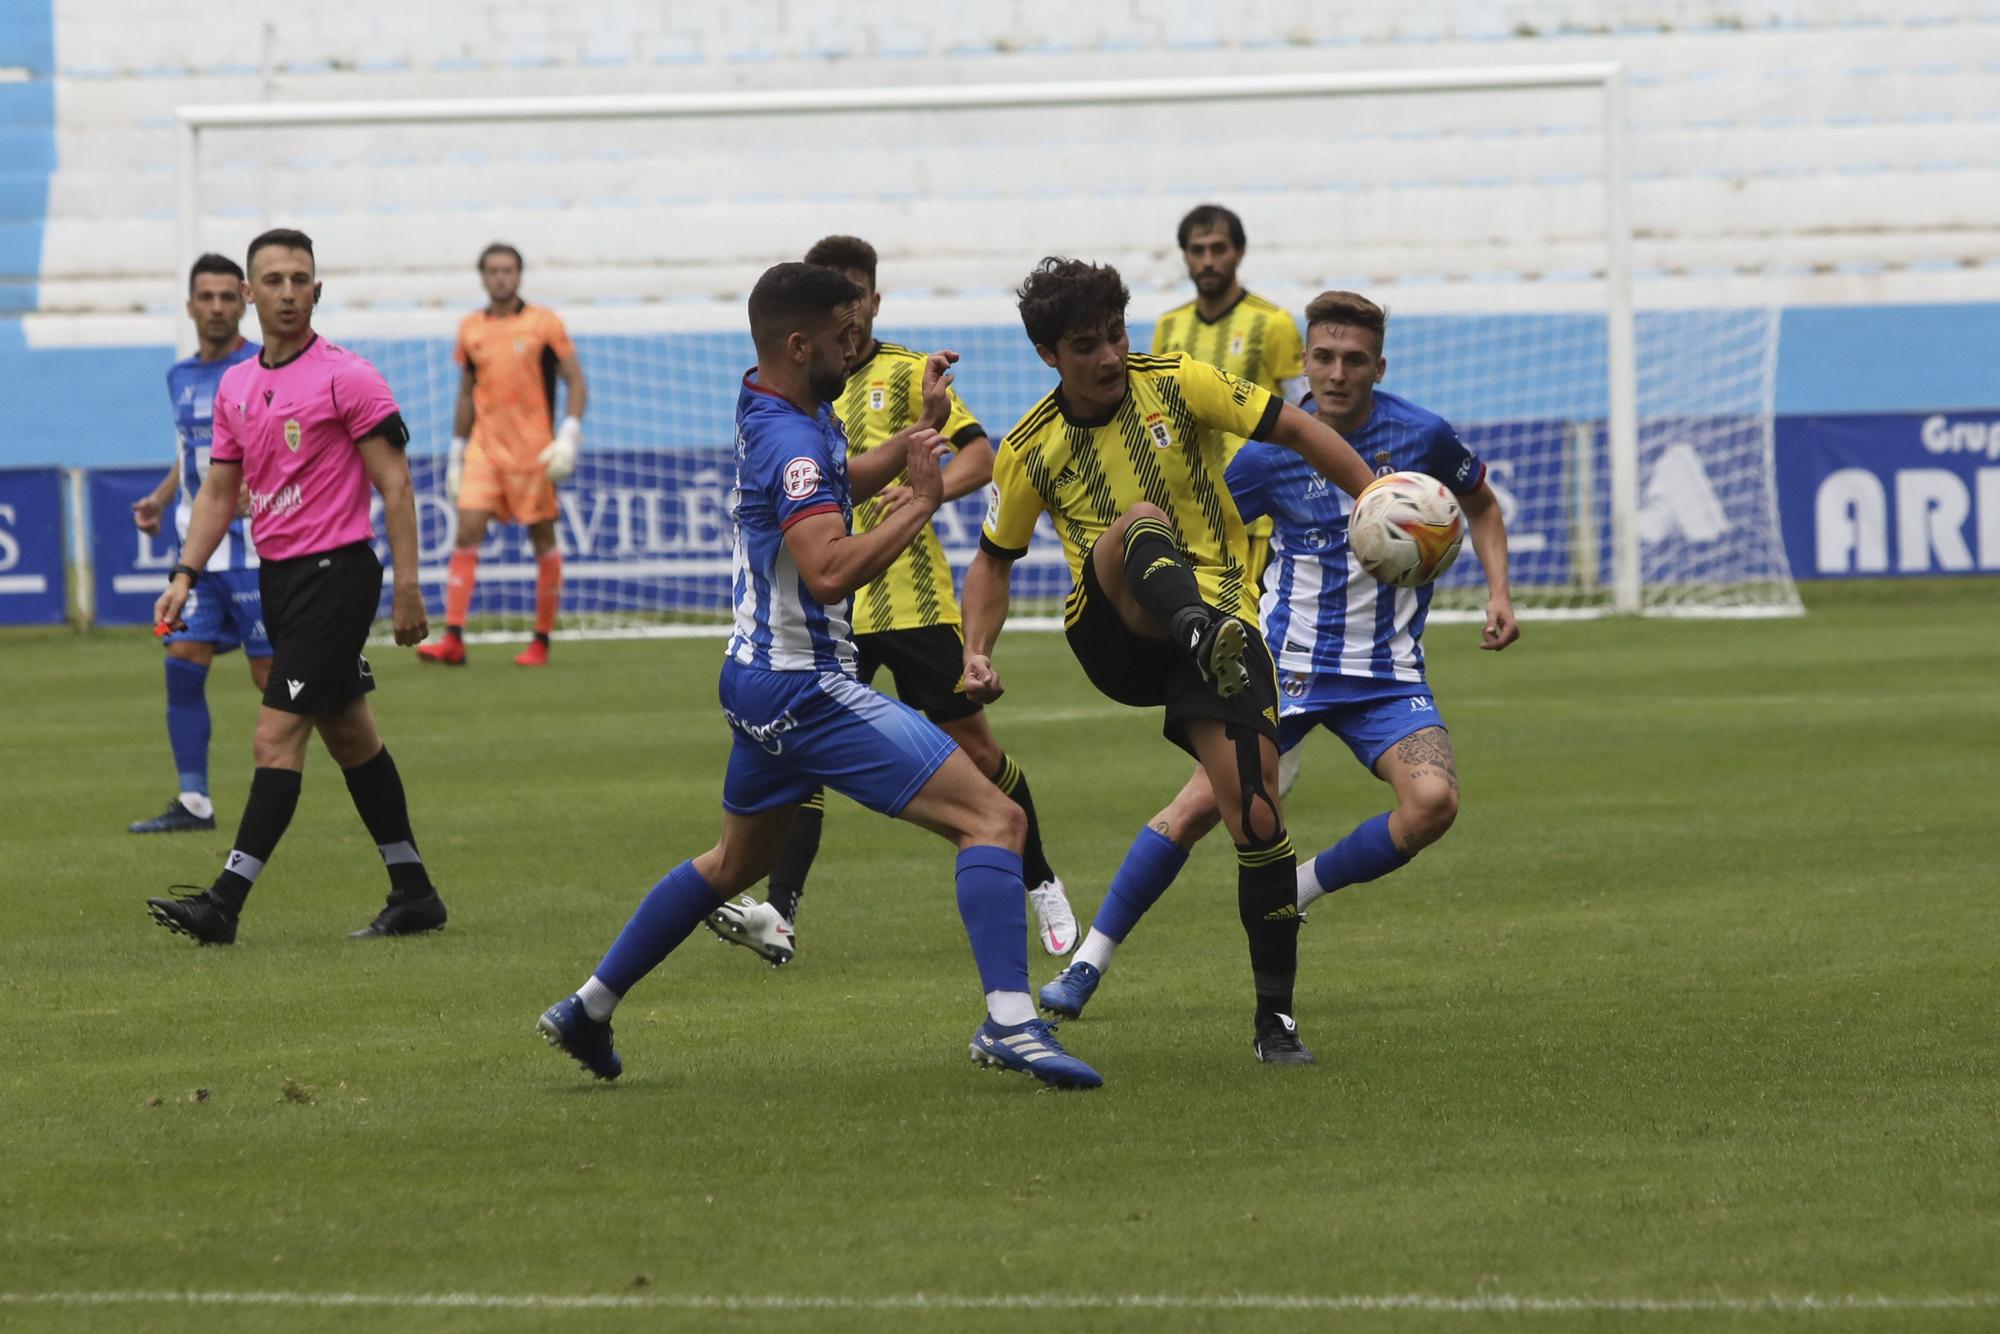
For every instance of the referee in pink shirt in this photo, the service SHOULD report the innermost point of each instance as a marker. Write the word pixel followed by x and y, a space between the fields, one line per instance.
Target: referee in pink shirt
pixel 307 427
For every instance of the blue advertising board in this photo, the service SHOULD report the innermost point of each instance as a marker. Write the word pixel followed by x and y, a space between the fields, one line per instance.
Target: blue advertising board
pixel 1890 493
pixel 32 587
pixel 128 567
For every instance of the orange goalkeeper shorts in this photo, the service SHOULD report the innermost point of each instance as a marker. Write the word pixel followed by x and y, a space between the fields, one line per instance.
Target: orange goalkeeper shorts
pixel 510 495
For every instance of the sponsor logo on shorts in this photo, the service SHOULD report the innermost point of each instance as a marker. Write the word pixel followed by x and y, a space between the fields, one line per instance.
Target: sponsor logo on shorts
pixel 1422 704
pixel 361 666
pixel 802 477
pixel 294 686
pixel 770 736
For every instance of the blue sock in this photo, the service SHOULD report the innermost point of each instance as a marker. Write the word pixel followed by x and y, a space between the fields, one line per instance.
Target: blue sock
pixel 1365 854
pixel 1150 866
pixel 992 902
pixel 187 722
pixel 666 916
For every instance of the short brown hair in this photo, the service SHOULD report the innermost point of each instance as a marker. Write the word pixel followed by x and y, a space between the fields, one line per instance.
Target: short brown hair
pixel 501 248
pixel 1348 308
pixel 848 254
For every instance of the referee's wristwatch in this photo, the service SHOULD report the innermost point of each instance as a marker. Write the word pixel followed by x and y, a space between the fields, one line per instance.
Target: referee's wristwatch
pixel 194 575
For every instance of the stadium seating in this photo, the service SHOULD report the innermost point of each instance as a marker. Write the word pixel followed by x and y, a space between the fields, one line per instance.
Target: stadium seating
pixel 1844 179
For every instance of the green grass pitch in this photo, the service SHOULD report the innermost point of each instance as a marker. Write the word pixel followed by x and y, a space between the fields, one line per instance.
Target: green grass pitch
pixel 1696 1006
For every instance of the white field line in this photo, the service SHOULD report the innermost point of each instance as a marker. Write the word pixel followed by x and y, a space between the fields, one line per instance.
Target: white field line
pixel 1481 1304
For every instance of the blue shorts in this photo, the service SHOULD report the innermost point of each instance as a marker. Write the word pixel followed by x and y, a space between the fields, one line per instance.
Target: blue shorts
pixel 1369 715
pixel 796 731
pixel 225 609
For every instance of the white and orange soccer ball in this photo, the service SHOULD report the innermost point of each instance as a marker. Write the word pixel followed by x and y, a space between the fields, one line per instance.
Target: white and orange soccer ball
pixel 1406 529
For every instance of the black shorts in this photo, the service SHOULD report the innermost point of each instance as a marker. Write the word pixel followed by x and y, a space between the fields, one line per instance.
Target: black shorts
pixel 927 665
pixel 1150 673
pixel 318 610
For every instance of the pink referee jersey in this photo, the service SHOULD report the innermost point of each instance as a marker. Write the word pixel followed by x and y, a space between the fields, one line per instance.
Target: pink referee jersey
pixel 296 429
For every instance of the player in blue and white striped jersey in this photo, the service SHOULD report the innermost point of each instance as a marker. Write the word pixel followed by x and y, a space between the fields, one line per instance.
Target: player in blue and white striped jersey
pixel 1348 648
pixel 224 609
pixel 800 717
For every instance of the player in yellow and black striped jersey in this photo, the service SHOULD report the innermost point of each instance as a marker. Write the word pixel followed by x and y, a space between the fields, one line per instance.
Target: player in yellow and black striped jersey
pixel 1126 456
pixel 907 620
pixel 1227 326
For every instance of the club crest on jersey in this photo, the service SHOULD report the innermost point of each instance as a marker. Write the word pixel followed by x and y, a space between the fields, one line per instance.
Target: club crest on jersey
pixel 1156 426
pixel 292 434
pixel 878 397
pixel 1383 466
pixel 802 477
pixel 1236 345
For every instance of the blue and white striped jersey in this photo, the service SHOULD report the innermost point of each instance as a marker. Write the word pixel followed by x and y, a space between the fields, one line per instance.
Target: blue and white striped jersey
pixel 1323 614
pixel 191 388
pixel 788 466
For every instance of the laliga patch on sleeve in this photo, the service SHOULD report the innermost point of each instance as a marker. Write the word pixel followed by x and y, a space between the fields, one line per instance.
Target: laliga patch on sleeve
pixel 802 477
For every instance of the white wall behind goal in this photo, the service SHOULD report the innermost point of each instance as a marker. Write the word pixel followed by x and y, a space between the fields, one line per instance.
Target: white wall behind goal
pixel 1784 153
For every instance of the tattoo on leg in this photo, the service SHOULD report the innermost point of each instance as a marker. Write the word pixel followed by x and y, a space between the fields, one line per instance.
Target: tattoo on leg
pixel 1162 828
pixel 1428 753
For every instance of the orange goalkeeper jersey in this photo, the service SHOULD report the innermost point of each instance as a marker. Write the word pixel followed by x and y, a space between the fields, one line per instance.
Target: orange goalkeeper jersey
pixel 513 363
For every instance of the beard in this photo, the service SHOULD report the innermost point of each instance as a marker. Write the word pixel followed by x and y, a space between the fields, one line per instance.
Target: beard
pixel 827 382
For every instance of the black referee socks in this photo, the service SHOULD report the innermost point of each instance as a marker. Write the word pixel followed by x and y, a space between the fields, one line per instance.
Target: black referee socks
pixel 274 795
pixel 377 790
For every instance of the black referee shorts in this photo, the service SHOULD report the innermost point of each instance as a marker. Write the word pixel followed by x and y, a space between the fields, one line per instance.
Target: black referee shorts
pixel 1151 673
pixel 928 665
pixel 317 612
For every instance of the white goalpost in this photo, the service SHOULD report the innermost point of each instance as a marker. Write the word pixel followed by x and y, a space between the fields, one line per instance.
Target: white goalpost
pixel 1491 209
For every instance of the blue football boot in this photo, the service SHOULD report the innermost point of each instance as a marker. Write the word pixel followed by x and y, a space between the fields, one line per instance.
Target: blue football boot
pixel 1031 1049
pixel 1072 987
pixel 566 1025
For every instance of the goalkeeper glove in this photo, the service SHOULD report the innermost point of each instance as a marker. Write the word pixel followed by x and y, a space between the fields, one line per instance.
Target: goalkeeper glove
pixel 454 468
pixel 559 459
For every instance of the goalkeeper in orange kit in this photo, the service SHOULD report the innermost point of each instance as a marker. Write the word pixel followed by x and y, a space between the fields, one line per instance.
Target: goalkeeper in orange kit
pixel 507 453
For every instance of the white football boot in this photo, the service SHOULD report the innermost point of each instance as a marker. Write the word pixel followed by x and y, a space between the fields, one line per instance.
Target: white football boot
pixel 1058 922
pixel 755 926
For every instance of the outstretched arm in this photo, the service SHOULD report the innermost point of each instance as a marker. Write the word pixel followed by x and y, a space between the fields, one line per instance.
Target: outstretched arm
pixel 1321 446
pixel 1489 544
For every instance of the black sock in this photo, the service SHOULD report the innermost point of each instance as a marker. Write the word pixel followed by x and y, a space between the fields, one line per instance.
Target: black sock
pixel 542 638
pixel 377 790
pixel 1158 573
pixel 795 860
pixel 454 632
pixel 1267 901
pixel 1035 869
pixel 274 795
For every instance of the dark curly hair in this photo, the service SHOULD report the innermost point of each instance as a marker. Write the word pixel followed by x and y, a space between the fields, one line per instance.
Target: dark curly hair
pixel 1066 296
pixel 849 254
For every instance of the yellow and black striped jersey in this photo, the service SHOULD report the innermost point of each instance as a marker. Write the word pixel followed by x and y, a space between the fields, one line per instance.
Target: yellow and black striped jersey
pixel 1254 339
pixel 884 395
pixel 1165 443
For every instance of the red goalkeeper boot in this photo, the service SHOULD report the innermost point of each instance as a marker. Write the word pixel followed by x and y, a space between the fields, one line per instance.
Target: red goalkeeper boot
pixel 449 651
pixel 534 655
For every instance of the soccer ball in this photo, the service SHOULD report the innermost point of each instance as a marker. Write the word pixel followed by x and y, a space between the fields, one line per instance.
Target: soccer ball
pixel 1406 529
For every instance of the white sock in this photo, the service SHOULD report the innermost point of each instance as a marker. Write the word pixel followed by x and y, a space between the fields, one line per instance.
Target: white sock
pixel 1309 890
pixel 1096 950
pixel 1288 770
pixel 598 1000
pixel 1008 1008
pixel 198 804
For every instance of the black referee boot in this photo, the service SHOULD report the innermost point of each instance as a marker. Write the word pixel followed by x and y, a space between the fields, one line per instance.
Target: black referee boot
pixel 201 915
pixel 404 917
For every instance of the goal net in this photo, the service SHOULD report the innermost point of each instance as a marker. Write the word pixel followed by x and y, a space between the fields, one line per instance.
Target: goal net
pixel 1487 209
